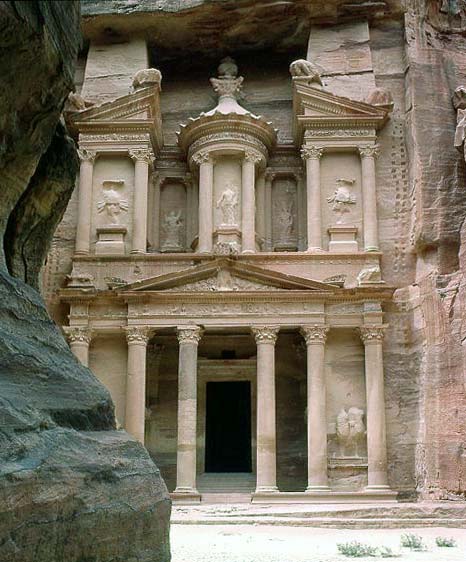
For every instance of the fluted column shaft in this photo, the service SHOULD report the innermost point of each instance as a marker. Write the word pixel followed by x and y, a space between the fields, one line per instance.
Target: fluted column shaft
pixel 312 155
pixel 142 159
pixel 206 187
pixel 266 337
pixel 315 337
pixel 268 210
pixel 369 198
pixel 137 338
pixel 260 209
pixel 79 339
pixel 248 203
pixel 83 231
pixel 372 336
pixel 188 338
pixel 156 234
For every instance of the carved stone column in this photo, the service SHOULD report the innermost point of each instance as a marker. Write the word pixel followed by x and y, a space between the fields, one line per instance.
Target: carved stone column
pixel 157 184
pixel 83 231
pixel 269 177
pixel 266 337
pixel 248 203
pixel 369 197
pixel 137 338
pixel 206 188
pixel 315 337
pixel 312 156
pixel 188 338
pixel 372 336
pixel 301 194
pixel 142 159
pixel 79 339
pixel 190 211
pixel 260 209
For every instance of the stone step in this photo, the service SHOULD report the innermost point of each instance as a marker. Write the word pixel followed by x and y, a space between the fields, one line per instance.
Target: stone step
pixel 225 498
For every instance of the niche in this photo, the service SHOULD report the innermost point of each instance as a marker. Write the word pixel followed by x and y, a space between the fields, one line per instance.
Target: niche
pixel 172 220
pixel 284 214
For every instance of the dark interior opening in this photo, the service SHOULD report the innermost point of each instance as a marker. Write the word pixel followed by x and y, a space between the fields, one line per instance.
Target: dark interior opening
pixel 228 427
pixel 228 354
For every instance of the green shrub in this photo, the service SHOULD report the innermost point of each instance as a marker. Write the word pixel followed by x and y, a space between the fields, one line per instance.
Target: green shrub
pixel 387 552
pixel 445 541
pixel 414 542
pixel 357 549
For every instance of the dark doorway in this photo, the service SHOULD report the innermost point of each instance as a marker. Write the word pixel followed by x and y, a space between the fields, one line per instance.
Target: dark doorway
pixel 228 427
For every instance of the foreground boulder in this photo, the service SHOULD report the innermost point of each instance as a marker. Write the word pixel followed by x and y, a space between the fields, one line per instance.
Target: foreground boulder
pixel 72 487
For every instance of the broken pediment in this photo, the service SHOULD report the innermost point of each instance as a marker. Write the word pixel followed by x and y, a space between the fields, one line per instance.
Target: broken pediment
pixel 224 275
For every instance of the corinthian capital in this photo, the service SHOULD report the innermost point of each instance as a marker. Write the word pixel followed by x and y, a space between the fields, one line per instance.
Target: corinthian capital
pixel 141 155
pixel 372 334
pixel 137 334
pixel 314 152
pixel 78 334
pixel 252 156
pixel 314 334
pixel 265 334
pixel 86 155
pixel 370 151
pixel 189 334
pixel 201 157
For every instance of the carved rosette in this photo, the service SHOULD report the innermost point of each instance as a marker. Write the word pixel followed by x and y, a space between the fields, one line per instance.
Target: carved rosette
pixel 191 334
pixel 372 334
pixel 371 151
pixel 314 334
pixel 265 334
pixel 78 335
pixel 141 155
pixel 137 334
pixel 311 152
pixel 86 155
pixel 202 157
pixel 251 156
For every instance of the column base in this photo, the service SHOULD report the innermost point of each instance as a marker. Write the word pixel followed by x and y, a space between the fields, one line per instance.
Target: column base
pixel 185 495
pixel 377 488
pixel 266 490
pixel 371 249
pixel 314 250
pixel 248 252
pixel 82 252
pixel 138 252
pixel 317 489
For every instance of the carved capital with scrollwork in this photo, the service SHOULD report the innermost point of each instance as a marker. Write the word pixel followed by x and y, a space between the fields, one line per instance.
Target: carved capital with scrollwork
pixel 141 155
pixel 311 152
pixel 202 157
pixel 372 334
pixel 78 334
pixel 370 151
pixel 265 334
pixel 137 334
pixel 252 156
pixel 86 155
pixel 189 334
pixel 314 334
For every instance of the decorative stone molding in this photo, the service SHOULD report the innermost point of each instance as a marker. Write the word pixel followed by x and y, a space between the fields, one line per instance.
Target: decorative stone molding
pixel 78 334
pixel 314 334
pixel 372 334
pixel 309 134
pixel 251 156
pixel 308 152
pixel 265 334
pixel 191 334
pixel 371 151
pixel 238 139
pixel 141 154
pixel 201 158
pixel 86 155
pixel 137 334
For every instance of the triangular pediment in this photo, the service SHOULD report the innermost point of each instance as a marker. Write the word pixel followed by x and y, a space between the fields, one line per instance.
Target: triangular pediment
pixel 226 275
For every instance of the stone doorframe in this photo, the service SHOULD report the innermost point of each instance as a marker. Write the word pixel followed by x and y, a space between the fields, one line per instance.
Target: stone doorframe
pixel 223 370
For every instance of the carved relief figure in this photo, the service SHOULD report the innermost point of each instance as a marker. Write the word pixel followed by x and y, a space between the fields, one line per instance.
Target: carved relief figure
pixel 305 68
pixel 112 204
pixel 459 103
pixel 228 203
pixel 286 211
pixel 172 226
pixel 342 198
pixel 350 431
pixel 369 275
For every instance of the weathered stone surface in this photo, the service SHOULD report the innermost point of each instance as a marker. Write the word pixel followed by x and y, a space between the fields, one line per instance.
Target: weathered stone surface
pixel 72 488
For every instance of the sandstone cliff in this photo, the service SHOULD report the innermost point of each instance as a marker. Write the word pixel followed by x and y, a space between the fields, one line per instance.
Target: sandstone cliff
pixel 72 488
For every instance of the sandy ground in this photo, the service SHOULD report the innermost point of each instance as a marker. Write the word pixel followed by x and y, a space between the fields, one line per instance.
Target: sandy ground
pixel 260 543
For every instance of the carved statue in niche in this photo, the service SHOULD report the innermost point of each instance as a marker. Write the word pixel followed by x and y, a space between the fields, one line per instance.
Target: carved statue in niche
pixel 112 204
pixel 350 431
pixel 228 203
pixel 459 103
pixel 172 227
pixel 285 213
pixel 342 198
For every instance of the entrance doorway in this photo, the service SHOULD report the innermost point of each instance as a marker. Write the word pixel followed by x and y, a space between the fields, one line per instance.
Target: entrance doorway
pixel 228 427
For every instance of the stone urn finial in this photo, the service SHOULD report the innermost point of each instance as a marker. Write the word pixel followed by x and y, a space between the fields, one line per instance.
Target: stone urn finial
pixel 228 83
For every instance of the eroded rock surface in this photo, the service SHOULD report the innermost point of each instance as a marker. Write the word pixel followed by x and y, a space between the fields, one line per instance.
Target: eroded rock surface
pixel 72 487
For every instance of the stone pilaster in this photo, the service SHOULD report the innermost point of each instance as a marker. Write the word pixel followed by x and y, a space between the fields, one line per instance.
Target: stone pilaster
pixel 266 337
pixel 312 156
pixel 269 177
pixel 188 338
pixel 79 339
pixel 369 197
pixel 206 188
pixel 157 184
pixel 142 159
pixel 315 337
pixel 372 336
pixel 248 203
pixel 260 208
pixel 86 172
pixel 137 338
